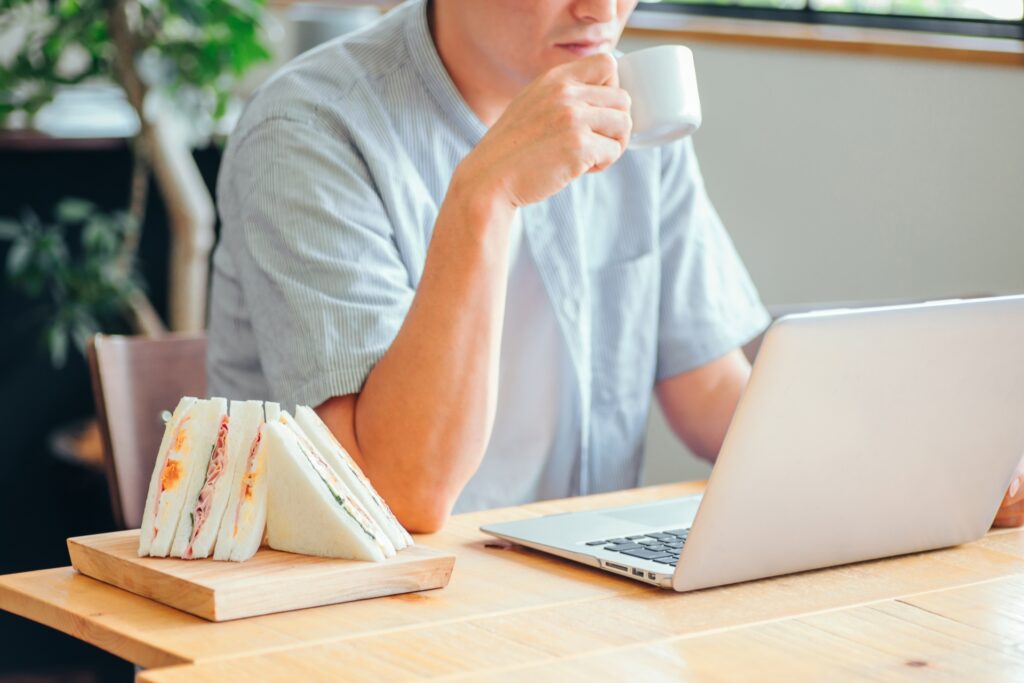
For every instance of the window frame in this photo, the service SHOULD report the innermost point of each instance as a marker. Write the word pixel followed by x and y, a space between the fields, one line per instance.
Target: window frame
pixel 988 28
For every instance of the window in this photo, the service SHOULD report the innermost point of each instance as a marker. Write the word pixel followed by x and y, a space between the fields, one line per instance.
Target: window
pixel 997 18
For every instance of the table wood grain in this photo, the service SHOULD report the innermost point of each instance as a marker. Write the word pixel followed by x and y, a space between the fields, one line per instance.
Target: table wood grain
pixel 970 633
pixel 504 606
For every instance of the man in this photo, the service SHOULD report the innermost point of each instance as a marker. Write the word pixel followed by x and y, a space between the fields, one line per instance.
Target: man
pixel 433 233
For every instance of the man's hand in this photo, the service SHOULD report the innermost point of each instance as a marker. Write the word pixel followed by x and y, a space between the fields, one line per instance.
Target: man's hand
pixel 1011 511
pixel 572 120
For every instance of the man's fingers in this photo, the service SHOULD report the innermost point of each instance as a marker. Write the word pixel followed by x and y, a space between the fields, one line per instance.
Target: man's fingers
pixel 606 151
pixel 599 69
pixel 1010 515
pixel 1015 492
pixel 604 96
pixel 610 129
pixel 610 123
pixel 1011 510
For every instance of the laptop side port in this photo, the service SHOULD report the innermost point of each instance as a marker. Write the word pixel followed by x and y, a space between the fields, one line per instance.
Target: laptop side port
pixel 638 572
pixel 619 567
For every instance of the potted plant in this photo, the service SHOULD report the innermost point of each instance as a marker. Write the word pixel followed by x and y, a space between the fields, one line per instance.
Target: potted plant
pixel 185 53
pixel 168 56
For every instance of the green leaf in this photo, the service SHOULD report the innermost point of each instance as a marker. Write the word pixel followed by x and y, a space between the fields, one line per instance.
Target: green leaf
pixel 57 343
pixel 53 47
pixel 9 229
pixel 125 223
pixel 68 8
pixel 30 220
pixel 82 331
pixel 222 105
pixel 18 257
pixel 259 53
pixel 99 237
pixel 73 210
pixel 51 254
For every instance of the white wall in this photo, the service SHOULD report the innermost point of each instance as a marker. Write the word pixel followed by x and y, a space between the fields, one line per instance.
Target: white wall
pixel 849 177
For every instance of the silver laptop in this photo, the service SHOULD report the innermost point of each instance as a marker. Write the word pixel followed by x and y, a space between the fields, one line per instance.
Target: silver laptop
pixel 862 434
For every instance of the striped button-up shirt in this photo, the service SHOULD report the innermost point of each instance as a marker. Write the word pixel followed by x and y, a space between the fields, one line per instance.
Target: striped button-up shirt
pixel 328 193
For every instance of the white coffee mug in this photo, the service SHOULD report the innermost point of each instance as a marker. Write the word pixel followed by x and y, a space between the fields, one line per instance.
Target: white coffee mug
pixel 662 84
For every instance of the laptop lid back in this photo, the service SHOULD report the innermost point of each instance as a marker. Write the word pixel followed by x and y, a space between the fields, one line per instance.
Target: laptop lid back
pixel 864 434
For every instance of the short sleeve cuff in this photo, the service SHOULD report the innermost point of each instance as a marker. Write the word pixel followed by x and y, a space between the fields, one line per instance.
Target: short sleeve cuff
pixel 324 387
pixel 682 355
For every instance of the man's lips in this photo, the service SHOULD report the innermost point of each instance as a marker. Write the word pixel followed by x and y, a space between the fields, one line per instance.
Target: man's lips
pixel 585 48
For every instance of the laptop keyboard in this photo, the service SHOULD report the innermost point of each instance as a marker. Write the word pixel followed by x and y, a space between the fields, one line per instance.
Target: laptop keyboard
pixel 659 546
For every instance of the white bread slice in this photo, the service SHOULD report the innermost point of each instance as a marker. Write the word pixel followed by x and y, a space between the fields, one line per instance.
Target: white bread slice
pixel 338 486
pixel 244 420
pixel 197 430
pixel 310 510
pixel 273 413
pixel 337 457
pixel 251 504
pixel 243 441
pixel 171 439
pixel 212 412
pixel 238 513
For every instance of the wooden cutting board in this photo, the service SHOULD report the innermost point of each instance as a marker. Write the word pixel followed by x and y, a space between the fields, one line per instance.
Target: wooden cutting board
pixel 271 581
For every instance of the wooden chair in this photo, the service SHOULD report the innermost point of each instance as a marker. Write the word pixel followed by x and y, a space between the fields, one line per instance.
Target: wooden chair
pixel 135 379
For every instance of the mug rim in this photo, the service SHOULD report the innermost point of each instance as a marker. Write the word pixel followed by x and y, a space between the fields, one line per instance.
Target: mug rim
pixel 652 48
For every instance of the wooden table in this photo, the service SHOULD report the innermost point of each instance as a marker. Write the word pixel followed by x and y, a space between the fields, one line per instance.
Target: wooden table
pixel 510 614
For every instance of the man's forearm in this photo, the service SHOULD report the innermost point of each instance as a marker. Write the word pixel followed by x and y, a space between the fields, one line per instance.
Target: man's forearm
pixel 421 423
pixel 699 404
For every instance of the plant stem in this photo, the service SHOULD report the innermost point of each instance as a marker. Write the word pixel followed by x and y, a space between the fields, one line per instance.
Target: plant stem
pixel 136 206
pixel 145 319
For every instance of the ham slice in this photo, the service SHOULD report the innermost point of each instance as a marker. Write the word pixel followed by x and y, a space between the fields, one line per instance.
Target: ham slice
pixel 218 459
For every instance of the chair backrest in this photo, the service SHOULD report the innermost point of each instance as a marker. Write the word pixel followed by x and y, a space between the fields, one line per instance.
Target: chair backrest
pixel 134 380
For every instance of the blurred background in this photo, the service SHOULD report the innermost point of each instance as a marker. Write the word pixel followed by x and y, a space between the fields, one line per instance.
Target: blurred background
pixel 857 151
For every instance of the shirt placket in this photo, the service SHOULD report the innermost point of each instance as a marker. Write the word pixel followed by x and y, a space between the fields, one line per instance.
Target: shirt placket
pixel 555 244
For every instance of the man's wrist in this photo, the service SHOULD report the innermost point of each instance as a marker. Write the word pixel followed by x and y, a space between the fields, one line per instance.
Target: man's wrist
pixel 482 201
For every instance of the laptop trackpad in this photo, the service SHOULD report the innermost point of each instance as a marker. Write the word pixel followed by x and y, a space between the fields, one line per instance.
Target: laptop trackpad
pixel 678 512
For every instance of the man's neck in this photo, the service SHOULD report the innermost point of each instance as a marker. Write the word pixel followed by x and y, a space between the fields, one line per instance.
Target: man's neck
pixel 486 87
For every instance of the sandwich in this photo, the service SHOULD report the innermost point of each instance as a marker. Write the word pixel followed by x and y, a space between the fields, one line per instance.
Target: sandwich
pixel 337 457
pixel 310 510
pixel 244 521
pixel 237 438
pixel 166 472
pixel 190 437
pixel 211 434
pixel 224 483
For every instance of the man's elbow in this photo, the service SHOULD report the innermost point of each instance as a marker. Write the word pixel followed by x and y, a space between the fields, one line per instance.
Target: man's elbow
pixel 703 450
pixel 422 513
pixel 423 523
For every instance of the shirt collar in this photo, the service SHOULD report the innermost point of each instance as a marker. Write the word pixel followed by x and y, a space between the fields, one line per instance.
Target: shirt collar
pixel 427 61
